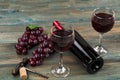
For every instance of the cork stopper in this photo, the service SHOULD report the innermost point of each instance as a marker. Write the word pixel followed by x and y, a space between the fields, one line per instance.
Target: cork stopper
pixel 23 73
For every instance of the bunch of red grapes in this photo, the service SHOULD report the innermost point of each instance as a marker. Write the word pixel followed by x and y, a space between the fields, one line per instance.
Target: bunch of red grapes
pixel 31 38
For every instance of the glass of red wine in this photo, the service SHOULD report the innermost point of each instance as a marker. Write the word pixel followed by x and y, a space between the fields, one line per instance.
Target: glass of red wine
pixel 62 40
pixel 102 21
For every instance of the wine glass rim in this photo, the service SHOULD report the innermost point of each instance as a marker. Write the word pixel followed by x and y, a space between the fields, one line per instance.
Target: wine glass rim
pixel 62 36
pixel 113 13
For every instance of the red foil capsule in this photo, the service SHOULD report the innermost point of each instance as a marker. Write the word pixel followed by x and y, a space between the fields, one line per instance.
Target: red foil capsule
pixel 57 25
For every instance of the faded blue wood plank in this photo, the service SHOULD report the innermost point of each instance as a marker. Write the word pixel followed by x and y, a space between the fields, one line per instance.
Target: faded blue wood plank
pixel 39 11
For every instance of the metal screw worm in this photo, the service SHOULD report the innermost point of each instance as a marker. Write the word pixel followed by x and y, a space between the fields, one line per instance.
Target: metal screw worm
pixel 37 73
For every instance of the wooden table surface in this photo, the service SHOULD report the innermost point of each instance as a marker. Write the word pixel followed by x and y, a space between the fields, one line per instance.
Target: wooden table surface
pixel 15 15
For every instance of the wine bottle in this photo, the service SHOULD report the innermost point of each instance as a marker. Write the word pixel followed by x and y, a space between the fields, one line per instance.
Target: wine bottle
pixel 86 54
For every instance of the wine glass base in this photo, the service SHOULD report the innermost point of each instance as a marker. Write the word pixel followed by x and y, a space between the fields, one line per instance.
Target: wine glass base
pixel 101 50
pixel 60 71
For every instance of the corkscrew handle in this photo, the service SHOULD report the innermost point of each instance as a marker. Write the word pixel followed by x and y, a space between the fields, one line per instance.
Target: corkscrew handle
pixel 23 63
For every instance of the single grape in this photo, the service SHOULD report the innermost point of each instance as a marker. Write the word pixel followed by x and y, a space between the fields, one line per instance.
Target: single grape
pixel 50 45
pixel 41 45
pixel 39 62
pixel 40 39
pixel 33 32
pixel 23 43
pixel 30 42
pixel 20 40
pixel 45 43
pixel 18 52
pixel 37 56
pixel 32 62
pixel 40 50
pixel 41 29
pixel 32 37
pixel 35 41
pixel 46 53
pixel 24 38
pixel 24 51
pixel 27 33
pixel 18 47
pixel 45 36
pixel 41 55
pixel 35 52
pixel 38 32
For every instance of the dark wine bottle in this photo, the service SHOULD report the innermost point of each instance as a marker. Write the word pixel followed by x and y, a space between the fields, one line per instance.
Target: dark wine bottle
pixel 86 54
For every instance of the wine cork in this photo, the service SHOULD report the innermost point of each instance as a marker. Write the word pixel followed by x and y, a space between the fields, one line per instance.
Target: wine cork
pixel 23 73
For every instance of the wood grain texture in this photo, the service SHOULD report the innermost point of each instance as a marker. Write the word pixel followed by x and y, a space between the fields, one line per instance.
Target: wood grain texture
pixel 15 15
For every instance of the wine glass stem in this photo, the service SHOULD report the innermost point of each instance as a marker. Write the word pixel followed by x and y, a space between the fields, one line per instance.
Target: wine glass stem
pixel 100 39
pixel 100 42
pixel 61 60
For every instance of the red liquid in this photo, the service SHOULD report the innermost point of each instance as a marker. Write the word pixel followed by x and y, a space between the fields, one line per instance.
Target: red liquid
pixel 62 43
pixel 102 22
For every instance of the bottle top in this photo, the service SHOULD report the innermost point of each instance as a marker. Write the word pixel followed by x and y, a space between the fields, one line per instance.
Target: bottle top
pixel 57 25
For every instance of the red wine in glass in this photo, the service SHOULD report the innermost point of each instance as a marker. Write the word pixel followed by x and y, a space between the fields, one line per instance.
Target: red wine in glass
pixel 102 21
pixel 63 43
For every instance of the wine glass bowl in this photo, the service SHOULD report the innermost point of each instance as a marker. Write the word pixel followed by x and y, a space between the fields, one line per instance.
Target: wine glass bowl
pixel 61 40
pixel 102 21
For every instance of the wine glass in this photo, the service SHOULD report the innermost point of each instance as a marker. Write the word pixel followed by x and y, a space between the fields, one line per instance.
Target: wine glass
pixel 102 21
pixel 61 41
